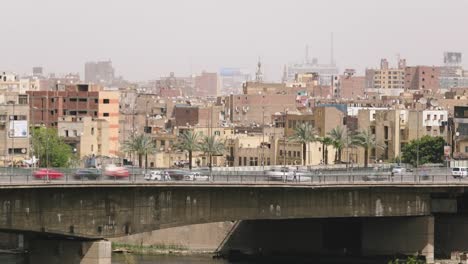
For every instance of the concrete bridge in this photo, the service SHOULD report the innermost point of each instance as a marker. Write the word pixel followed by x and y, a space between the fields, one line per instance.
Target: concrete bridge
pixel 104 210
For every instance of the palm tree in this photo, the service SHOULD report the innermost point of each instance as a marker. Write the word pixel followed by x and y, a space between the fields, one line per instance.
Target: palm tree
pixel 326 141
pixel 339 140
pixel 190 142
pixel 365 139
pixel 304 134
pixel 141 145
pixel 211 146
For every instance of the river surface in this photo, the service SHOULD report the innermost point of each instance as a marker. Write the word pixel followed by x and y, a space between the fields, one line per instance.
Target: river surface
pixel 135 259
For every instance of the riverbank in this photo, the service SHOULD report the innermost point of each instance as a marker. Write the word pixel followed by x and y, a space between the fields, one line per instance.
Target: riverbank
pixel 158 249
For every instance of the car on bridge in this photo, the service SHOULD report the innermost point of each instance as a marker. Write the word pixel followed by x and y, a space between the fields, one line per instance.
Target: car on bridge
pixel 88 173
pixel 157 175
pixel 287 174
pixel 196 176
pixel 116 172
pixel 47 174
pixel 459 172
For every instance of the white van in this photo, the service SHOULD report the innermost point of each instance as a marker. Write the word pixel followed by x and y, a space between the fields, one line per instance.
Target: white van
pixel 459 172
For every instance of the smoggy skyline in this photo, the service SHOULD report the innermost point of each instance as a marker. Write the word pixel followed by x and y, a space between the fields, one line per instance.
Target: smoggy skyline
pixel 148 39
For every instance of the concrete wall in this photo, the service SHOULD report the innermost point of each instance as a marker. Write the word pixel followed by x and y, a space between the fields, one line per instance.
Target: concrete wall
pixel 114 211
pixel 49 251
pixel 194 238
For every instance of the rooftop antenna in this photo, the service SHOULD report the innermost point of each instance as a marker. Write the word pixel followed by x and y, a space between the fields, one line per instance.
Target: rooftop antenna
pixel 332 59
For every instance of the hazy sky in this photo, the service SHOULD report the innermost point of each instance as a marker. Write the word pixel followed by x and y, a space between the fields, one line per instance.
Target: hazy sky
pixel 149 38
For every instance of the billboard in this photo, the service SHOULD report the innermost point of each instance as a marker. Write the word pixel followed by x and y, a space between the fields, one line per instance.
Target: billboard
pixel 452 58
pixel 447 151
pixel 18 129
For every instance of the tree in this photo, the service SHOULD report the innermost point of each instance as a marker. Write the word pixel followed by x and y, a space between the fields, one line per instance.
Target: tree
pixel 304 134
pixel 141 145
pixel 190 142
pixel 365 139
pixel 326 141
pixel 339 140
pixel 50 149
pixel 211 146
pixel 431 150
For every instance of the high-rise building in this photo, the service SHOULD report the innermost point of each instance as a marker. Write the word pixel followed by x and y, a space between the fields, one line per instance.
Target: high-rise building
pixel 231 80
pixel 452 74
pixel 206 84
pixel 386 80
pixel 47 107
pixel 419 78
pixel 100 72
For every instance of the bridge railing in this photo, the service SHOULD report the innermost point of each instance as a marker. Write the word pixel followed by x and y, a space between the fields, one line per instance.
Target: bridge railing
pixel 317 176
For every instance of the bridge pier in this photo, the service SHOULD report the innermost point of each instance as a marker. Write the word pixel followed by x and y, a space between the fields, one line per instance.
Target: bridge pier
pixel 69 251
pixel 399 235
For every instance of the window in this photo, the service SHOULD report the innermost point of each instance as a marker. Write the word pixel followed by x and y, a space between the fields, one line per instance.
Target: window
pixel 92 131
pixel 289 153
pixel 251 161
pixel 99 147
pixel 428 117
pixel 73 100
pixel 435 117
pixel 281 152
pixel 441 117
pixel 83 100
pixel 96 101
pixel 66 133
pixel 466 148
pixel 240 161
pixel 163 143
pixel 106 114
pixel 245 161
pixel 75 133
pixel 105 101
pixel 92 147
pixel 17 151
pixel 256 161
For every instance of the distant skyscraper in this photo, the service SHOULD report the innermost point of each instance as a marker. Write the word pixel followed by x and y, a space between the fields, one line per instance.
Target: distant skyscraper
pixel 38 71
pixel 100 72
pixel 325 71
pixel 231 80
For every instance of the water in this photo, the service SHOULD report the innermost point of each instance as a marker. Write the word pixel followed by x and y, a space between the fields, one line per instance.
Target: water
pixel 121 259
pixel 135 259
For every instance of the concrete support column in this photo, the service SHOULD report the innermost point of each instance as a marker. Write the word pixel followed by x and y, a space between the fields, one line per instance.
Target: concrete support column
pixel 399 235
pixel 70 252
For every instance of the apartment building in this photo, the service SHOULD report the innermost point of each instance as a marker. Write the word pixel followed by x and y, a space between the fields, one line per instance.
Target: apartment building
pixel 87 135
pixel 421 78
pixel 14 129
pixel 81 100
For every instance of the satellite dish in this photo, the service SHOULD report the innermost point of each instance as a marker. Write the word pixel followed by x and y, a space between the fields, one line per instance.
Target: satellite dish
pixel 423 100
pixel 434 102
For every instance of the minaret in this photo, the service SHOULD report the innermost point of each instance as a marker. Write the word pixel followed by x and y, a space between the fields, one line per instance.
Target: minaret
pixel 285 74
pixel 259 74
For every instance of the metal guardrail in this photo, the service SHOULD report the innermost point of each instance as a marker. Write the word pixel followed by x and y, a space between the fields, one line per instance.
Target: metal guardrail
pixel 436 175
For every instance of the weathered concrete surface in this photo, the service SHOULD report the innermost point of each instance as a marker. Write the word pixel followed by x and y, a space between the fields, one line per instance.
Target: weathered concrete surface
pixel 113 212
pixel 70 252
pixel 408 235
pixel 193 238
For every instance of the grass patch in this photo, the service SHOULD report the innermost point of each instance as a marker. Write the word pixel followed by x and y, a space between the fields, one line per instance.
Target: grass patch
pixel 148 249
